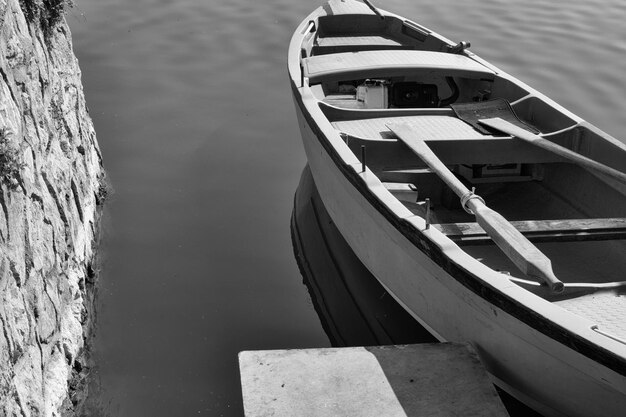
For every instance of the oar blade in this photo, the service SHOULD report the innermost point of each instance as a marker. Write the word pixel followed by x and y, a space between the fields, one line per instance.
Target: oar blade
pixel 530 260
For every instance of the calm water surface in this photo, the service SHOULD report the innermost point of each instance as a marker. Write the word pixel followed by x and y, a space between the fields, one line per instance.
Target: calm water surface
pixel 194 116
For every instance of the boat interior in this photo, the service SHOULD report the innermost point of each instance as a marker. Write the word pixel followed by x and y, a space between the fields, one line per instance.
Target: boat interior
pixel 368 72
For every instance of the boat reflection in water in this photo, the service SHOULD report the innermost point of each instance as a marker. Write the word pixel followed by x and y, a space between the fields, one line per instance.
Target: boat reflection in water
pixel 354 308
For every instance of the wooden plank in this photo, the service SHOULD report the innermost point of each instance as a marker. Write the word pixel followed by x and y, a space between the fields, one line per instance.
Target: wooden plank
pixel 342 44
pixel 444 379
pixel 389 63
pixel 569 230
pixel 431 126
pixel 357 40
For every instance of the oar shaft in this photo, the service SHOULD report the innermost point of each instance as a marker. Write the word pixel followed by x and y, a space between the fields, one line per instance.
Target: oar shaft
pixel 374 8
pixel 518 249
pixel 513 130
pixel 428 156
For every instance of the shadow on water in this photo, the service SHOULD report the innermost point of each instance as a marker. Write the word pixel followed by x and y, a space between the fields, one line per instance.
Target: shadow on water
pixel 354 308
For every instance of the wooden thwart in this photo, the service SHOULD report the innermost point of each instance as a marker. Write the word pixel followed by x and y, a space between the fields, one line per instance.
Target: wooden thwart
pixel 570 230
pixel 371 64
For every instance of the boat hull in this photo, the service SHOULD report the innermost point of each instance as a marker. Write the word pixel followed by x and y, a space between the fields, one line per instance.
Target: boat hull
pixel 546 374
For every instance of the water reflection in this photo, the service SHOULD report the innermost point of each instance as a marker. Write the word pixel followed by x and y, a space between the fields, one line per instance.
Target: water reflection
pixel 354 308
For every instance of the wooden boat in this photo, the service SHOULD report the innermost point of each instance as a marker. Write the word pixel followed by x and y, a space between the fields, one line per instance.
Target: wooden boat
pixel 399 126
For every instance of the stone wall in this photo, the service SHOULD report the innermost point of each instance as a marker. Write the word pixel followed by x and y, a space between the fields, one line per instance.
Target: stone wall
pixel 51 180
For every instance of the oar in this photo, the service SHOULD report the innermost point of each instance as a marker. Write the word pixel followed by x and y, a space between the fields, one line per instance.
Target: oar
pixel 510 129
pixel 374 8
pixel 520 251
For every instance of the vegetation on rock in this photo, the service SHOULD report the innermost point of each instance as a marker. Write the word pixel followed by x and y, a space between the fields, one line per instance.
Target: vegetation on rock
pixel 46 13
pixel 10 165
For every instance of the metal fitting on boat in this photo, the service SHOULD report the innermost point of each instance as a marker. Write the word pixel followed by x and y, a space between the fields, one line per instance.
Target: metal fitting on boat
pixel 467 197
pixel 363 157
pixel 459 47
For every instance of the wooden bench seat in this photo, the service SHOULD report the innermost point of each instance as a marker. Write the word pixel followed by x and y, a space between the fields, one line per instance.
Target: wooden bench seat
pixel 336 113
pixel 352 43
pixel 431 127
pixel 389 63
pixel 542 230
pixel 357 40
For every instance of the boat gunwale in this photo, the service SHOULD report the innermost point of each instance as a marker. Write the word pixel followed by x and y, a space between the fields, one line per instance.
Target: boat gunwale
pixel 541 316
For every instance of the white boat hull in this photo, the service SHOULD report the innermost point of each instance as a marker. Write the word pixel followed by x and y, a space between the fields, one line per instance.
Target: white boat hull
pixel 544 373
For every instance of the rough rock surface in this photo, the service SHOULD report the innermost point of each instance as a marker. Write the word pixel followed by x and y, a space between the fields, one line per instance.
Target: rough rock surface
pixel 48 218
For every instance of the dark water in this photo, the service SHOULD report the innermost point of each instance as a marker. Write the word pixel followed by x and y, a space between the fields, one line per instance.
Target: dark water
pixel 194 116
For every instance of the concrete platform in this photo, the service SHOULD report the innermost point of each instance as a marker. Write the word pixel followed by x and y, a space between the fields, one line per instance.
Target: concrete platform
pixel 443 379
